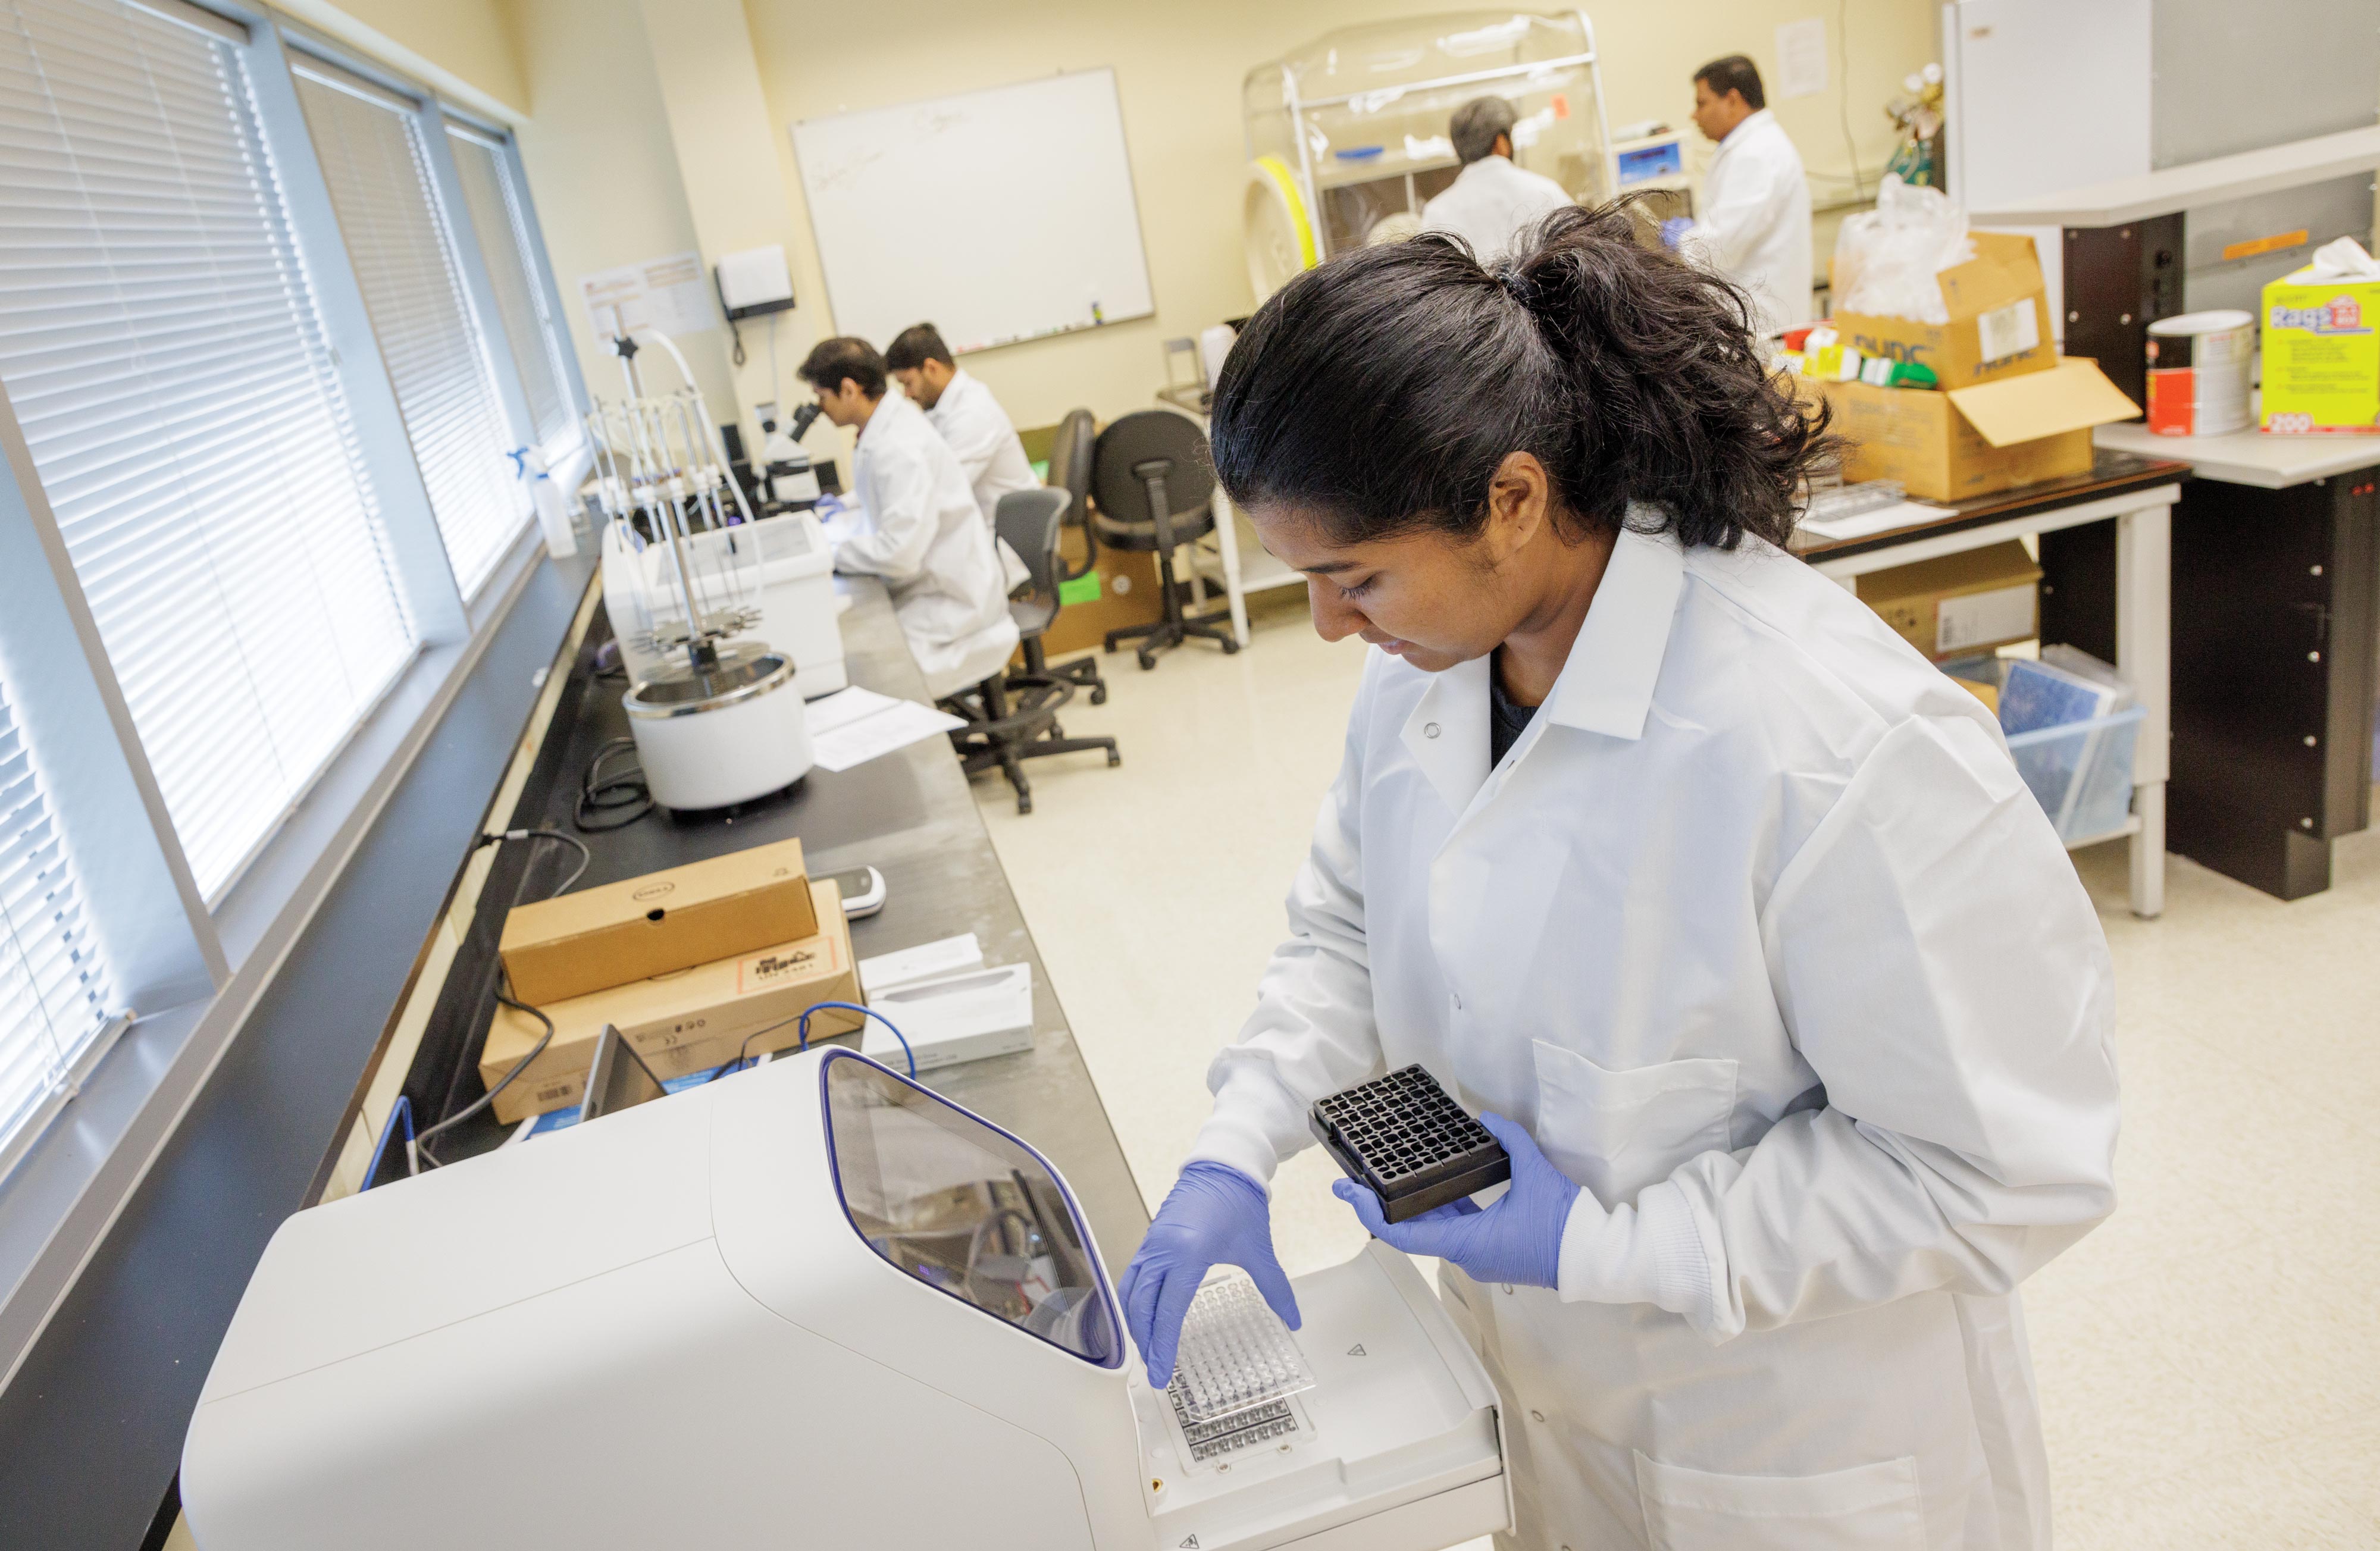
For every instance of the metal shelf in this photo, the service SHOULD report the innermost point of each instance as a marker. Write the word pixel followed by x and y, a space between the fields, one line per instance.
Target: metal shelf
pixel 2197 182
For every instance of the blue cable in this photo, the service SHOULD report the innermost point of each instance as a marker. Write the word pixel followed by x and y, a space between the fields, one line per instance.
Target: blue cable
pixel 403 1107
pixel 802 1031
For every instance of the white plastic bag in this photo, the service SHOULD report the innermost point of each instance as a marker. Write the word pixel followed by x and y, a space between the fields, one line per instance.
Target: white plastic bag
pixel 1886 258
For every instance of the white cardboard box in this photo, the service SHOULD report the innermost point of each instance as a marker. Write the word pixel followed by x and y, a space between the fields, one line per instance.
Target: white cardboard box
pixel 954 1018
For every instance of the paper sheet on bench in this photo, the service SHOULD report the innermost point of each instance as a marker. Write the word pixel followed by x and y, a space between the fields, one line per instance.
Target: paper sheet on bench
pixel 1859 525
pixel 853 726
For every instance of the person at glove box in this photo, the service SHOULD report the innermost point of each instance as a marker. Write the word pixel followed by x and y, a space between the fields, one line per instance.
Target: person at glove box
pixel 1723 908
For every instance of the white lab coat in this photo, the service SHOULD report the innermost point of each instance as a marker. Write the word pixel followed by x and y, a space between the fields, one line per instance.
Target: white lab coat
pixel 1757 929
pixel 980 431
pixel 1755 225
pixel 924 535
pixel 1490 203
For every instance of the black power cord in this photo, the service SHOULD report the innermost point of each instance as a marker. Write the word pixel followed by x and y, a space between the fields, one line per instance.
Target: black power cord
pixel 421 1143
pixel 614 801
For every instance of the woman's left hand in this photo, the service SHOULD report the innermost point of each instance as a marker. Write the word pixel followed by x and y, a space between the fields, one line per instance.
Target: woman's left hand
pixel 1518 1239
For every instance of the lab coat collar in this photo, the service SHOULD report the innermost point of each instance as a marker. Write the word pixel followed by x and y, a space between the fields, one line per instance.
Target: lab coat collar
pixel 1606 685
pixel 1746 127
pixel 882 423
pixel 1447 734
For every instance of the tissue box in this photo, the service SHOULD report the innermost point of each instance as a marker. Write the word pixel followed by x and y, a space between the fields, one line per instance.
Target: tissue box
pixel 2322 357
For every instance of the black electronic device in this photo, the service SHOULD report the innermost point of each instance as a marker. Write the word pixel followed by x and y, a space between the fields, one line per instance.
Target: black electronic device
pixel 1403 1138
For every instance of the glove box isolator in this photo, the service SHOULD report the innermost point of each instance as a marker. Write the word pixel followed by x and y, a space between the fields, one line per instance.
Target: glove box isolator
pixel 810 1305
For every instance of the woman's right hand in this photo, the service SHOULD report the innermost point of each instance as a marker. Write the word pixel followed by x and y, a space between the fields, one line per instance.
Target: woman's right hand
pixel 1214 1215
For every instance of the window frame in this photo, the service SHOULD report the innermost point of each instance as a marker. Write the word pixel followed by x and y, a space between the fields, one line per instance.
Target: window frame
pixel 194 973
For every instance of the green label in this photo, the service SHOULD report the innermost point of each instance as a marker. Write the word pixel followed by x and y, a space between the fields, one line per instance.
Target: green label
pixel 1084 589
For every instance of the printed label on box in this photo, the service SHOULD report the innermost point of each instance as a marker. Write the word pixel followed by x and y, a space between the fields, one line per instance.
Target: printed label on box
pixel 2008 331
pixel 805 961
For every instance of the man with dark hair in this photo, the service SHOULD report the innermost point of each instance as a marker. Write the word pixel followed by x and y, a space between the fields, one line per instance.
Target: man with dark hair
pixel 921 531
pixel 1754 227
pixel 1492 200
pixel 969 418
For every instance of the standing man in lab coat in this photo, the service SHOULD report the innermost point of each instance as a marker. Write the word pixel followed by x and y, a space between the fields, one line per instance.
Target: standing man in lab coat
pixel 1725 912
pixel 1491 201
pixel 1755 225
pixel 920 530
pixel 970 419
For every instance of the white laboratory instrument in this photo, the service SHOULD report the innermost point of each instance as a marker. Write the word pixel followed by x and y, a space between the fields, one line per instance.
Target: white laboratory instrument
pixel 715 710
pixel 814 1305
pixel 1347 137
pixel 796 609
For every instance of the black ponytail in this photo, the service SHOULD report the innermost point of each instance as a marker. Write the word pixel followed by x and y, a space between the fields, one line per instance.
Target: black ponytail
pixel 1380 391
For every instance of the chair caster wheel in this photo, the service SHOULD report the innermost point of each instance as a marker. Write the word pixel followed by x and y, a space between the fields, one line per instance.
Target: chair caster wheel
pixel 1230 646
pixel 1100 695
pixel 1024 805
pixel 1115 759
pixel 1110 648
pixel 1147 662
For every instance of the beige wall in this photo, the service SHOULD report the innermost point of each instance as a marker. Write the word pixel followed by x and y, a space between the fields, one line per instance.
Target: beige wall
pixel 1179 69
pixel 463 47
pixel 604 169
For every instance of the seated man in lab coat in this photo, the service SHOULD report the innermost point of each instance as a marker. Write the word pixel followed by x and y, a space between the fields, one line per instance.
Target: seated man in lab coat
pixel 1754 224
pixel 969 418
pixel 1491 203
pixel 921 531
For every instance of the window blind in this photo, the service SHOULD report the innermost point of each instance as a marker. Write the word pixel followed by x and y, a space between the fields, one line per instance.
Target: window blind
pixel 501 225
pixel 369 143
pixel 160 346
pixel 53 989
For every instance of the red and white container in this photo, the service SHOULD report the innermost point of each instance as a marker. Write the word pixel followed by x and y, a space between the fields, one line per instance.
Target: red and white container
pixel 2198 374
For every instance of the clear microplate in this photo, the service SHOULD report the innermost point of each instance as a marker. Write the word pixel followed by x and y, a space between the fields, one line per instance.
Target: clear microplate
pixel 1235 1353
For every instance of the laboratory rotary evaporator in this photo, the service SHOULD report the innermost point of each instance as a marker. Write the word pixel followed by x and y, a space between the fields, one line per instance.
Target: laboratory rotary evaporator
pixel 809 1305
pixel 726 623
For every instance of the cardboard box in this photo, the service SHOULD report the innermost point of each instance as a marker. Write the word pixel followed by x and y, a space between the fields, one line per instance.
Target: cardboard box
pixel 1957 604
pixel 1954 446
pixel 2322 357
pixel 686 1021
pixel 621 932
pixel 953 1018
pixel 1998 326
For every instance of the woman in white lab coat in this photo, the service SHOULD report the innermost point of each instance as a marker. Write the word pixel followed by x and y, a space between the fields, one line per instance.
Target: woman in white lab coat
pixel 1725 907
pixel 921 530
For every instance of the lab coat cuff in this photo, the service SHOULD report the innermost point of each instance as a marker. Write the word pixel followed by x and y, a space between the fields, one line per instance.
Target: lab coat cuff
pixel 1650 1252
pixel 1681 1258
pixel 1228 1140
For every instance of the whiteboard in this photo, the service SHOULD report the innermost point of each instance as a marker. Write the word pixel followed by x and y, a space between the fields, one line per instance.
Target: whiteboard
pixel 997 217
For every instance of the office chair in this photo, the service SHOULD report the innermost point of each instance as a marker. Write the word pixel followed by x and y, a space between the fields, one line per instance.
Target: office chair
pixel 1153 482
pixel 1070 470
pixel 1014 717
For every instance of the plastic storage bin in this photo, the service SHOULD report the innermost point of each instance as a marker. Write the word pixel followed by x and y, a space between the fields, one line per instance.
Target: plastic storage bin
pixel 2080 771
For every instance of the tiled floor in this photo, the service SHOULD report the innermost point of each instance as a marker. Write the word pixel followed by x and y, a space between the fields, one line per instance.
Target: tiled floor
pixel 2209 1358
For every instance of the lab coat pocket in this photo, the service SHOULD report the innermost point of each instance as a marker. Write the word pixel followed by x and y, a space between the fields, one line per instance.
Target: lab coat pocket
pixel 1617 1132
pixel 1866 1508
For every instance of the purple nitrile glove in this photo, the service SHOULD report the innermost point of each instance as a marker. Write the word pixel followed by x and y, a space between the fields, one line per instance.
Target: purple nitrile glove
pixel 1214 1215
pixel 1518 1239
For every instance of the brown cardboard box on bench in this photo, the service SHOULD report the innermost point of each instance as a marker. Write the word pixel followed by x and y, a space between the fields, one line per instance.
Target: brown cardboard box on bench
pixel 616 933
pixel 686 1021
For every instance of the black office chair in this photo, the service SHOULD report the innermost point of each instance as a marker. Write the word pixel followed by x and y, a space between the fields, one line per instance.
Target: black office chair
pixel 1153 482
pixel 1070 470
pixel 1014 717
